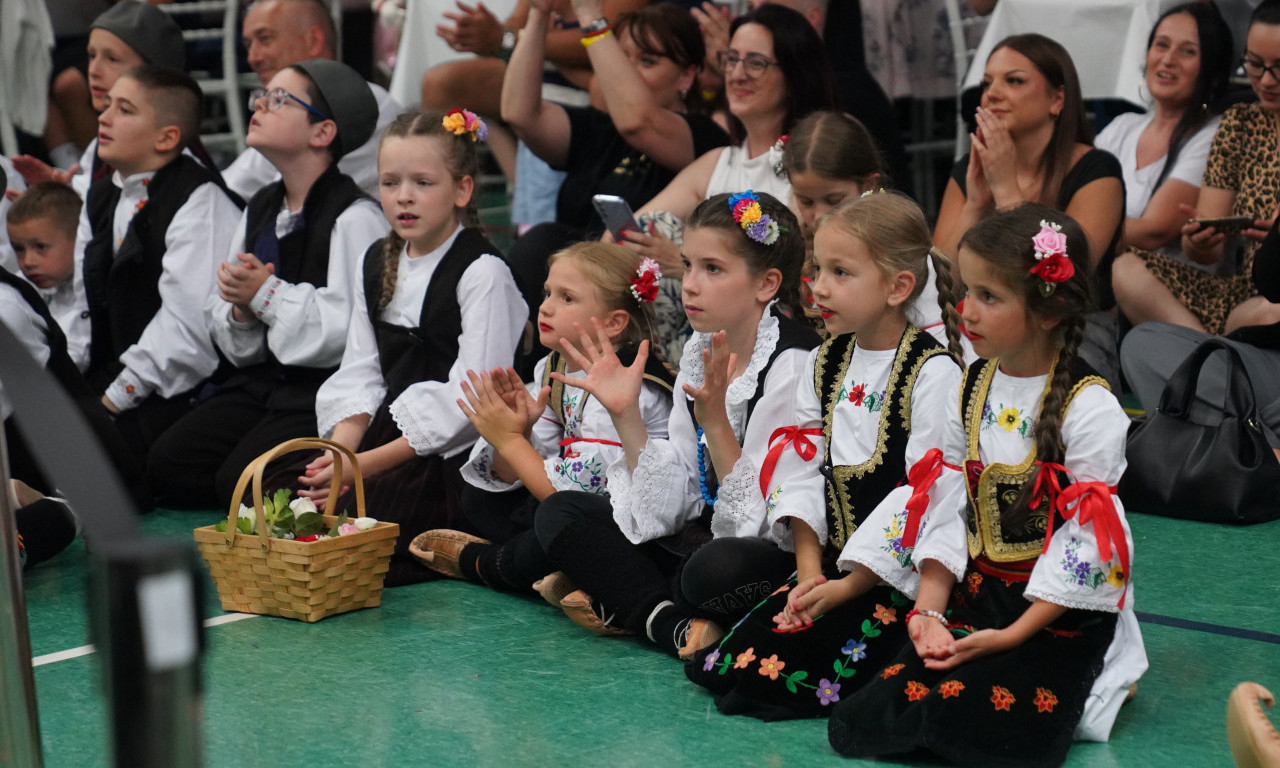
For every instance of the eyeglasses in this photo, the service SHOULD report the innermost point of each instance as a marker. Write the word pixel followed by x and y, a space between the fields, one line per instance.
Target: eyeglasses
pixel 754 64
pixel 1257 68
pixel 277 98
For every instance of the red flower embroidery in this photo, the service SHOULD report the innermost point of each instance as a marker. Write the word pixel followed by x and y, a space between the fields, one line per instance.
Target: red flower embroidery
pixel 892 670
pixel 951 689
pixel 975 581
pixel 1045 700
pixel 857 393
pixel 1001 697
pixel 915 691
pixel 887 615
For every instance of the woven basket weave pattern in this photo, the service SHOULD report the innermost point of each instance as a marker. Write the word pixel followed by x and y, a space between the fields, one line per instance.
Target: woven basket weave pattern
pixel 297 580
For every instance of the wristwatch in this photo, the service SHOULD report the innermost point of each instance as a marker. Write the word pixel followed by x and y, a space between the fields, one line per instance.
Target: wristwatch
pixel 509 39
pixel 595 27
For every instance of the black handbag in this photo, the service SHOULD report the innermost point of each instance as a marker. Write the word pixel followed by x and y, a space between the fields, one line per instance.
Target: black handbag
pixel 1224 473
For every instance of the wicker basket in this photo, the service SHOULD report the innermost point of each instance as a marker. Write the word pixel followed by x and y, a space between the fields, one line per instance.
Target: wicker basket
pixel 297 580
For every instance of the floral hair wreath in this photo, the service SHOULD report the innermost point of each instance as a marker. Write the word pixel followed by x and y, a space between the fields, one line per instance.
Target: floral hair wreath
pixel 758 225
pixel 1052 265
pixel 644 286
pixel 460 122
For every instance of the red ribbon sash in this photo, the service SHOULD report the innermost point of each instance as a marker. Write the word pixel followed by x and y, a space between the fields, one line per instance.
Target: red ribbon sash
pixel 1093 504
pixel 792 435
pixel 921 477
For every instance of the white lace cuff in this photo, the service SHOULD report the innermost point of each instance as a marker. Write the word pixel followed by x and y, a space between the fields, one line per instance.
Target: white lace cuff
pixel 648 503
pixel 478 471
pixel 740 511
pixel 742 388
pixel 420 440
pixel 329 414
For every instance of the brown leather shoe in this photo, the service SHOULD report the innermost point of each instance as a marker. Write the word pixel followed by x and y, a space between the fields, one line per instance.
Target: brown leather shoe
pixel 439 549
pixel 701 633
pixel 1253 739
pixel 554 587
pixel 577 605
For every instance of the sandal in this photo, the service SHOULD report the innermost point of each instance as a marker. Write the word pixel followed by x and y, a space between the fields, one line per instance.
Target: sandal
pixel 440 549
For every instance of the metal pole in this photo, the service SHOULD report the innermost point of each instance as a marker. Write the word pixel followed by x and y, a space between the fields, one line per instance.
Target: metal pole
pixel 19 720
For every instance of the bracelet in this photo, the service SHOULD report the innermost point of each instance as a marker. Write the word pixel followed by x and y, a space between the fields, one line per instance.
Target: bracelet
pixel 596 27
pixel 926 612
pixel 587 42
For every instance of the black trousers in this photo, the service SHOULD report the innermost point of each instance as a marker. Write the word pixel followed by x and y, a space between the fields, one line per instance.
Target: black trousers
pixel 198 460
pixel 726 577
pixel 506 519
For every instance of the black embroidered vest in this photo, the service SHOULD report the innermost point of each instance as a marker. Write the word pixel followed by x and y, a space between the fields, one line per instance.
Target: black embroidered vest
pixel 122 284
pixel 854 490
pixel 302 256
pixel 996 487
pixel 425 353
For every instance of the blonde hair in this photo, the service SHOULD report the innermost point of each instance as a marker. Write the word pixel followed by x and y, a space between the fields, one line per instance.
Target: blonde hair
pixel 610 268
pixel 896 234
pixel 459 157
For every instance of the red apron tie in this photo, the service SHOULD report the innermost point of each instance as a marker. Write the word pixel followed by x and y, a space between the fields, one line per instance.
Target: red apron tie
pixel 1047 485
pixel 921 477
pixel 1094 504
pixel 571 440
pixel 793 435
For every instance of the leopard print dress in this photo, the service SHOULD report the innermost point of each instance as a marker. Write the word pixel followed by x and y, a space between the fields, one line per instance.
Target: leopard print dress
pixel 1244 158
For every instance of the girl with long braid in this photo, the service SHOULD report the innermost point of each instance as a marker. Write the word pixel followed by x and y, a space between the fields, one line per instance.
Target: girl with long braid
pixel 1022 634
pixel 433 300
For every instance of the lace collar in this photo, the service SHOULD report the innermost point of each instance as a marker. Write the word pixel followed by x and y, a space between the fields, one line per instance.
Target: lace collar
pixel 742 388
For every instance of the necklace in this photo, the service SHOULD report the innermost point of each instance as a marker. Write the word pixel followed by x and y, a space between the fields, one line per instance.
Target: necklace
pixel 702 471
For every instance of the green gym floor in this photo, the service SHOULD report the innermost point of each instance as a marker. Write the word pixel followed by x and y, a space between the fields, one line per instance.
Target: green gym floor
pixel 446 674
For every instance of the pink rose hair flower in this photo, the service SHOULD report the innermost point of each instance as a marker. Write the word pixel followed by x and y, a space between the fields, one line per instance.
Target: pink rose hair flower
pixel 1052 264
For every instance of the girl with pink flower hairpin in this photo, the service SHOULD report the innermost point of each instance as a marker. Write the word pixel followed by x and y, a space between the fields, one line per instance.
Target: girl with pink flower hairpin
pixel 1023 636
pixel 545 437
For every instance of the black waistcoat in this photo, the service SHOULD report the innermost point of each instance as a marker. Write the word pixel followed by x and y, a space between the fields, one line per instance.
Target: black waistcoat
pixel 122 284
pixel 854 490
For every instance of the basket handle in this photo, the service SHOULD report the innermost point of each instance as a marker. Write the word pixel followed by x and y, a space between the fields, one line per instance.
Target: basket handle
pixel 256 467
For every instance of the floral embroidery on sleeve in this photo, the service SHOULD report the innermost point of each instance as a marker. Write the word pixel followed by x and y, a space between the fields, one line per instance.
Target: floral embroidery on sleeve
pixel 586 473
pixel 893 539
pixel 1082 573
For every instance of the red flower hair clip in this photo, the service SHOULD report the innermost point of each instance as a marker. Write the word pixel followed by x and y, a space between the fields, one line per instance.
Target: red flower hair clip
pixel 1052 265
pixel 644 286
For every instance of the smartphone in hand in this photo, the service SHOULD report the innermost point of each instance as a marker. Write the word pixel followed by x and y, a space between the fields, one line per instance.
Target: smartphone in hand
pixel 616 215
pixel 1227 225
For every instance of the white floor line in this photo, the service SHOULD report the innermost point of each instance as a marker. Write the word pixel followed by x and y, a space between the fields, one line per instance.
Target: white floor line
pixel 85 650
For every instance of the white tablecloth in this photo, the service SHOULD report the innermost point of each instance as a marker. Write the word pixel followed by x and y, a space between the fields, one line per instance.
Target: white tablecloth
pixel 1107 39
pixel 421 48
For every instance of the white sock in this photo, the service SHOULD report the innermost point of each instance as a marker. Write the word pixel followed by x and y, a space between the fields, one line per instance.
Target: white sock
pixel 648 623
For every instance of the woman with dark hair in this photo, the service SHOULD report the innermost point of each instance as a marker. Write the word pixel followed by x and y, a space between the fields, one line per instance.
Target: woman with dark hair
pixel 776 72
pixel 645 67
pixel 1241 178
pixel 1164 151
pixel 1033 144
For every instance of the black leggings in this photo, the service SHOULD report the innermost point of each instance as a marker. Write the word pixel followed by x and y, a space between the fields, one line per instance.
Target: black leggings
pixel 515 560
pixel 726 577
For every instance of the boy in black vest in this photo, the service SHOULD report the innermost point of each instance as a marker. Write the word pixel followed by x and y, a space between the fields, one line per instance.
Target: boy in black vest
pixel 158 227
pixel 283 301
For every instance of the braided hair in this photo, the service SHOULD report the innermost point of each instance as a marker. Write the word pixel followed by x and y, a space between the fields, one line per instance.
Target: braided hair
pixel 461 160
pixel 1004 241
pixel 894 231
pixel 786 254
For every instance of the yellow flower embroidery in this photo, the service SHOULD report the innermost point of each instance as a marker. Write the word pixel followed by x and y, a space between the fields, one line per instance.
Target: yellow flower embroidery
pixel 1008 419
pixel 1115 577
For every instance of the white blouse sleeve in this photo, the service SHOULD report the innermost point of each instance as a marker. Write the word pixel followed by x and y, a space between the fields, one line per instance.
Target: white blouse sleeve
pixel 935 423
pixel 1073 571
pixel 585 464
pixel 741 504
pixel 493 319
pixel 357 386
pixel 545 439
pixel 798 489
pixel 175 352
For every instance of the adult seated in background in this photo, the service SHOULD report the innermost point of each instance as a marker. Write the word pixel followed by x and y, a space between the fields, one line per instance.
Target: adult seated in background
pixel 279 34
pixel 1034 144
pixel 477 83
pixel 1241 178
pixel 644 70
pixel 1163 152
pixel 857 92
pixel 1153 351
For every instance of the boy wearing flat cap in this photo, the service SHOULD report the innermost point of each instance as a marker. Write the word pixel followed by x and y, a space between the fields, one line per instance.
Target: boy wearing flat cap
pixel 158 226
pixel 283 299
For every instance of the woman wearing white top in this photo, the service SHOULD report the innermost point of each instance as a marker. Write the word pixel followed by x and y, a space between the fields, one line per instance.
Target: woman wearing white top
pixel 1163 152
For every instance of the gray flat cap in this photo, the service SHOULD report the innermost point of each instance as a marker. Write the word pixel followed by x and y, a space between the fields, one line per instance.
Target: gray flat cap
pixel 151 32
pixel 350 101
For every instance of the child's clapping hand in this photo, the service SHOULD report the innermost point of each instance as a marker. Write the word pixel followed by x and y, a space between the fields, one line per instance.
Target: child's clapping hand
pixel 498 411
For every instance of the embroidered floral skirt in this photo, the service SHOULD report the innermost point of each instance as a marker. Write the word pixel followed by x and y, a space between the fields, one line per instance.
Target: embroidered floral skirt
pixel 760 671
pixel 1016 708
